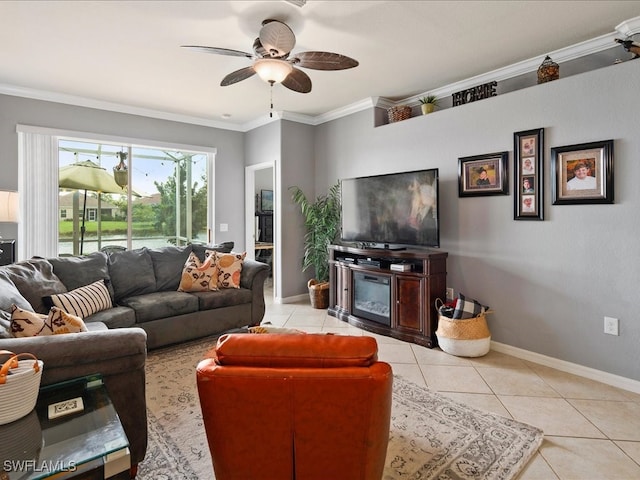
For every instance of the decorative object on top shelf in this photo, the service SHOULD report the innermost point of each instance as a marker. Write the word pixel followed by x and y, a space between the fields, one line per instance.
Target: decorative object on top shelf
pixel 483 175
pixel 528 147
pixel 548 70
pixel 322 222
pixel 120 173
pixel 428 104
pixel 474 94
pixel 582 174
pixel 630 46
pixel 399 113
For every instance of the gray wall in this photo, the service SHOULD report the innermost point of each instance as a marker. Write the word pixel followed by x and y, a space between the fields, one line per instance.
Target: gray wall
pixel 549 282
pixel 297 169
pixel 229 175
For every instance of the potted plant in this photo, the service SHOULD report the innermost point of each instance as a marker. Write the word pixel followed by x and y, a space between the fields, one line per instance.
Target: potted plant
pixel 322 224
pixel 429 103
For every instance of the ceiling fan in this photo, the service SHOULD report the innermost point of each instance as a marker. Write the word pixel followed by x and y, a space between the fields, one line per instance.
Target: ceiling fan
pixel 272 60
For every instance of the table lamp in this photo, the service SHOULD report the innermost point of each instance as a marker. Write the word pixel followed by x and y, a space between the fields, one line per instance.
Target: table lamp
pixel 8 207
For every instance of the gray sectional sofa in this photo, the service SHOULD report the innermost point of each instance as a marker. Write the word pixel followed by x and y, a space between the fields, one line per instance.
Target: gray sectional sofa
pixel 148 312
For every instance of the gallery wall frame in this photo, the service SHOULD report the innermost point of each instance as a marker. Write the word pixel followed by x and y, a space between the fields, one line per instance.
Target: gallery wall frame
pixel 482 175
pixel 582 173
pixel 528 176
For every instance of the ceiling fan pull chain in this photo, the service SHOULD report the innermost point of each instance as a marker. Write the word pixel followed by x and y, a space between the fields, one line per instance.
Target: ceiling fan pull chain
pixel 271 82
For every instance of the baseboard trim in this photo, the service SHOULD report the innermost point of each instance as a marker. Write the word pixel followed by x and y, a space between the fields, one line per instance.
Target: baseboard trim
pixel 568 367
pixel 294 299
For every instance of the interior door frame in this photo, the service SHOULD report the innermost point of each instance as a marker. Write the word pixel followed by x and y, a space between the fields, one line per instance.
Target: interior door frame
pixel 250 215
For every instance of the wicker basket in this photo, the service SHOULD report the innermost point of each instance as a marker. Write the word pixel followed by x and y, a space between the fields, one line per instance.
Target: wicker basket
pixel 19 385
pixel 398 113
pixel 464 338
pixel 319 294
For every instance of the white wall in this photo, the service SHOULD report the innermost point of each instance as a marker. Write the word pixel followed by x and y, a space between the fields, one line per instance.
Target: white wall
pixel 550 282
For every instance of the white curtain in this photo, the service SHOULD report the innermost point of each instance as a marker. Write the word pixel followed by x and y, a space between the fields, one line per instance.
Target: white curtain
pixel 38 191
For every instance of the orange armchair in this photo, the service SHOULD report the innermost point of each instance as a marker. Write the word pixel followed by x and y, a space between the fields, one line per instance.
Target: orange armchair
pixel 303 407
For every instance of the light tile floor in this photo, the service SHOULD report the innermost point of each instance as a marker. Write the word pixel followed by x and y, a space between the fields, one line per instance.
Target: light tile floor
pixel 592 430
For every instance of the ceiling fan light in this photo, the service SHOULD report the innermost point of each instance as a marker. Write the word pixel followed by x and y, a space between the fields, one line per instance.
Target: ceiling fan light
pixel 272 70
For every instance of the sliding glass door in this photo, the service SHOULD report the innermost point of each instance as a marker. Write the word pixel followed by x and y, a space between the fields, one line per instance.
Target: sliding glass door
pixel 127 196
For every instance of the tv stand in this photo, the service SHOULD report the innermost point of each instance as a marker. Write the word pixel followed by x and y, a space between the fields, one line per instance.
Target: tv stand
pixel 414 279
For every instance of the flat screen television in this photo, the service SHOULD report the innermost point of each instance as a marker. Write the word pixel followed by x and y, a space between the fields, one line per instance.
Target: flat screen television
pixel 398 209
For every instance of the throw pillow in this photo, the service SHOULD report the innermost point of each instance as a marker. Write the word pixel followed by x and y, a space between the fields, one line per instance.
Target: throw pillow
pixel 199 276
pixel 78 271
pixel 131 273
pixel 229 268
pixel 29 324
pixel 168 263
pixel 83 301
pixel 468 308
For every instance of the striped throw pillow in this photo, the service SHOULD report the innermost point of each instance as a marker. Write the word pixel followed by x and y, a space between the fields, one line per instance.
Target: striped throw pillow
pixel 84 301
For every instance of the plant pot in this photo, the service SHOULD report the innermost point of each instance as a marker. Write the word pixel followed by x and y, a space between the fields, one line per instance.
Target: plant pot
pixel 319 294
pixel 427 108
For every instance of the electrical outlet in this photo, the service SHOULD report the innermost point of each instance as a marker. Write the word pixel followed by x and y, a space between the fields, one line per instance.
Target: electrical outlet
pixel 224 227
pixel 611 326
pixel 450 293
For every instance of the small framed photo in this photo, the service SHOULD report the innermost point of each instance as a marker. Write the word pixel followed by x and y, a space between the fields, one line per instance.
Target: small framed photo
pixel 528 161
pixel 266 200
pixel 483 175
pixel 582 173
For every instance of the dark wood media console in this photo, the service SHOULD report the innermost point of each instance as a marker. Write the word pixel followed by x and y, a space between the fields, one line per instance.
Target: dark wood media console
pixel 401 303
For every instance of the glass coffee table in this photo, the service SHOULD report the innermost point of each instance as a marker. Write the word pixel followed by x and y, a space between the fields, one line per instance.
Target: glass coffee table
pixel 81 436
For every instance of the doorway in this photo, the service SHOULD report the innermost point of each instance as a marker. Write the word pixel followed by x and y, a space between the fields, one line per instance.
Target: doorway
pixel 260 218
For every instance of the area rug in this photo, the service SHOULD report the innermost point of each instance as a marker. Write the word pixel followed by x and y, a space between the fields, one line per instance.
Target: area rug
pixel 432 437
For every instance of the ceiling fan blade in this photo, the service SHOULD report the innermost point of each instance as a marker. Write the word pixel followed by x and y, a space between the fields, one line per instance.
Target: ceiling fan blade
pixel 298 81
pixel 218 51
pixel 277 38
pixel 323 61
pixel 237 76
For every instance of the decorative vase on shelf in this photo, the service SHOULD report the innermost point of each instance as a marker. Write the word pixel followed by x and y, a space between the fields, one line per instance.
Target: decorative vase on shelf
pixel 428 104
pixel 427 108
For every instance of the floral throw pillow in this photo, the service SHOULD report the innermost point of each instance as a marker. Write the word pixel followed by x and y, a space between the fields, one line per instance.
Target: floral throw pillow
pixel 199 276
pixel 29 324
pixel 229 268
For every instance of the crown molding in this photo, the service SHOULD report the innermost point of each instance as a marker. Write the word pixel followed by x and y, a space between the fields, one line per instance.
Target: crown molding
pixel 111 106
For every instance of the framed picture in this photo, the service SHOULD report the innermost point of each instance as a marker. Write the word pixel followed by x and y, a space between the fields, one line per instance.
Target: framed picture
pixel 483 175
pixel 266 200
pixel 582 173
pixel 528 161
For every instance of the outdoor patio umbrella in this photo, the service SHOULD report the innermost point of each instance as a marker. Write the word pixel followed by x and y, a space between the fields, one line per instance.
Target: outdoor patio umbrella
pixel 88 175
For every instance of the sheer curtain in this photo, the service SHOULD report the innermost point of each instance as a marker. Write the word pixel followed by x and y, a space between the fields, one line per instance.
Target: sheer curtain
pixel 38 192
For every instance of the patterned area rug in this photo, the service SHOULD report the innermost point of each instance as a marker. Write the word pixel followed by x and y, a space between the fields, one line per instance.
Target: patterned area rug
pixel 432 437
